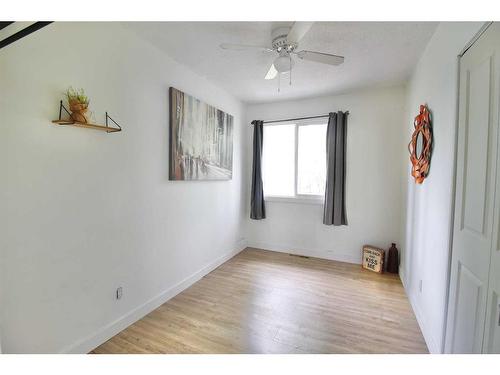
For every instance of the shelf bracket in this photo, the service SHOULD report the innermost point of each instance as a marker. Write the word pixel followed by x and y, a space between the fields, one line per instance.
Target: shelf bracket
pixel 114 122
pixel 61 107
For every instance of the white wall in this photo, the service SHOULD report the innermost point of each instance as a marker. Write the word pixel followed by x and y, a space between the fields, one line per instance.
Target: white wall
pixel 84 212
pixel 374 179
pixel 429 206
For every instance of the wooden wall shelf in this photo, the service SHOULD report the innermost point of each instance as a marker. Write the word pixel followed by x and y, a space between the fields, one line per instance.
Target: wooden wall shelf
pixel 106 128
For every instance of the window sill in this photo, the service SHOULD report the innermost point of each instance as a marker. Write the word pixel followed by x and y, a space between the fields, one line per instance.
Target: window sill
pixel 298 200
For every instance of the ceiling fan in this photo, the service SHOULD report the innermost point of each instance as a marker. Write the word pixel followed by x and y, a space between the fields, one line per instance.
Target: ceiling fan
pixel 285 42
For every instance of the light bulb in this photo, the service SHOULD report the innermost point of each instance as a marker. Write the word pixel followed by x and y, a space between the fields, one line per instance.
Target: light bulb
pixel 283 63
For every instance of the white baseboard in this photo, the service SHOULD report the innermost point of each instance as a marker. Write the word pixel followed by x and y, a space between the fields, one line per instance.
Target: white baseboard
pixel 105 333
pixel 431 342
pixel 315 253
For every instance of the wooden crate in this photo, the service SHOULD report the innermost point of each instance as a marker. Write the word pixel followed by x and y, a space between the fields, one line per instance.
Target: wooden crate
pixel 373 258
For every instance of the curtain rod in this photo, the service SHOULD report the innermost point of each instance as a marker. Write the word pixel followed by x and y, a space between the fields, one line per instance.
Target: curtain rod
pixel 299 118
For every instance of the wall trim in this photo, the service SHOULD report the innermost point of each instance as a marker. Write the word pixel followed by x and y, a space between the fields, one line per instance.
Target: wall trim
pixel 430 340
pixel 475 38
pixel 108 331
pixel 315 253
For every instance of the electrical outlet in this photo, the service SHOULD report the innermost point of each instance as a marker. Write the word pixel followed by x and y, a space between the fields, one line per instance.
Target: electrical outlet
pixel 420 286
pixel 119 292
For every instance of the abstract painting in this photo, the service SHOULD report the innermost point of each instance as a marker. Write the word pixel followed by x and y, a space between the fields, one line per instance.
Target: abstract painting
pixel 201 140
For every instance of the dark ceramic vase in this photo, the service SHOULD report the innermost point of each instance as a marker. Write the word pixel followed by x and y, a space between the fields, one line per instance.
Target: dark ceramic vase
pixel 393 260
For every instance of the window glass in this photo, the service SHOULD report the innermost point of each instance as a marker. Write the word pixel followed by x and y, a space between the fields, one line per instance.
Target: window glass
pixel 278 160
pixel 311 161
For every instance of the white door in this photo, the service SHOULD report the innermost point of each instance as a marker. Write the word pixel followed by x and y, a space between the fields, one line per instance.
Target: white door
pixel 473 233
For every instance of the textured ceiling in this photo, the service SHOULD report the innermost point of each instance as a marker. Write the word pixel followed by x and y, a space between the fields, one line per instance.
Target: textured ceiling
pixel 376 54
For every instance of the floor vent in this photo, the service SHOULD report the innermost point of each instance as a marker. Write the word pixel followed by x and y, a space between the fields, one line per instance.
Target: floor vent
pixel 299 256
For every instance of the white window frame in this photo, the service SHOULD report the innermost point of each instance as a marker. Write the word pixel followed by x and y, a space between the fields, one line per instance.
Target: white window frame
pixel 297 198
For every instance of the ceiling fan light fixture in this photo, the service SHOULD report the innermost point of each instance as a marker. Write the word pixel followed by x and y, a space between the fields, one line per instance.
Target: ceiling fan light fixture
pixel 285 42
pixel 283 63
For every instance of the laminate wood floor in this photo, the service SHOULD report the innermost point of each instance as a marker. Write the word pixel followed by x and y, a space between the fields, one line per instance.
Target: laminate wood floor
pixel 267 302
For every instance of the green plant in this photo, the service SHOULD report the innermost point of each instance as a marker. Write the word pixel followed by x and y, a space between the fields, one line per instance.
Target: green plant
pixel 77 95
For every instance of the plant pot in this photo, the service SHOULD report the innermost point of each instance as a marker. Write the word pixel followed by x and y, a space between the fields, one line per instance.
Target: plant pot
pixel 78 111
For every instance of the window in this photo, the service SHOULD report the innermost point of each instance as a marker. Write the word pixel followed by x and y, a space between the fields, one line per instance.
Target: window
pixel 294 159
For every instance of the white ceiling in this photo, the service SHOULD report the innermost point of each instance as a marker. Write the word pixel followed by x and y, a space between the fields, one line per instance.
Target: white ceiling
pixel 376 54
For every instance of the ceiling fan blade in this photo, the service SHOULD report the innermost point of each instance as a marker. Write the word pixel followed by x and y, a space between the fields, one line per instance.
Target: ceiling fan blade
pixel 271 73
pixel 299 29
pixel 324 58
pixel 244 47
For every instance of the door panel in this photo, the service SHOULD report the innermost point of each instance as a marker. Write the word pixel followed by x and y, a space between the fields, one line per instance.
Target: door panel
pixel 469 290
pixel 476 154
pixel 476 176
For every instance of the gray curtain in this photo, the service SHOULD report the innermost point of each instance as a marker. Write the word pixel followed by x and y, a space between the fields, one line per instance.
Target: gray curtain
pixel 258 207
pixel 334 212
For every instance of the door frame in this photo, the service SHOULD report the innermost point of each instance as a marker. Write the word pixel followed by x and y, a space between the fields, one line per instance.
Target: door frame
pixel 469 44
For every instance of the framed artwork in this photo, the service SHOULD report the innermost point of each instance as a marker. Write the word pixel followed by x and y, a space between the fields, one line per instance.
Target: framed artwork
pixel 201 140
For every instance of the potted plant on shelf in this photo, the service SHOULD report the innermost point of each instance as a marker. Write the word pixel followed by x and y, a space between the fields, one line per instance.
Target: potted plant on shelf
pixel 78 104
